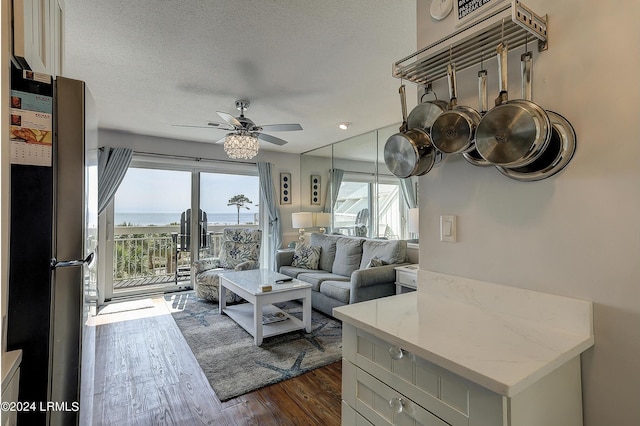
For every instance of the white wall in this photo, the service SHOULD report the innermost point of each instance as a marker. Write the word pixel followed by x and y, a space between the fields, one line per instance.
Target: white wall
pixel 577 233
pixel 289 163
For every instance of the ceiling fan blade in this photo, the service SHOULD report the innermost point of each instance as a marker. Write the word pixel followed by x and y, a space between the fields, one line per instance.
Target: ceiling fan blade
pixel 271 139
pixel 222 126
pixel 281 127
pixel 221 140
pixel 229 118
pixel 189 125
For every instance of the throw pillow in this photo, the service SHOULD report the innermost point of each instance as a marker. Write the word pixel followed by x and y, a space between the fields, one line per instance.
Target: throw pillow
pixel 348 256
pixel 375 262
pixel 388 250
pixel 306 256
pixel 328 252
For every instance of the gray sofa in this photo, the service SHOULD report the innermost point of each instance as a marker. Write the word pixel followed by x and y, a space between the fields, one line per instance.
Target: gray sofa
pixel 345 272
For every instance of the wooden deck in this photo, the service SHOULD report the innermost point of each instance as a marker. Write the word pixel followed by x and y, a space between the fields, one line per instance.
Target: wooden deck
pixel 149 281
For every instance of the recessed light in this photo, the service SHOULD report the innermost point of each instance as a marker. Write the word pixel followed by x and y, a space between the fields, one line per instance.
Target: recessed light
pixel 344 126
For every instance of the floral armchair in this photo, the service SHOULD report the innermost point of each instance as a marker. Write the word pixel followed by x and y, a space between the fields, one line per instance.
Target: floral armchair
pixel 240 251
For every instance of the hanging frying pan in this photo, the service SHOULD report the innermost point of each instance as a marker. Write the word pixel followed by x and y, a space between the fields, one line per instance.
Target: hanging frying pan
pixel 562 144
pixel 472 156
pixel 513 133
pixel 409 152
pixel 453 131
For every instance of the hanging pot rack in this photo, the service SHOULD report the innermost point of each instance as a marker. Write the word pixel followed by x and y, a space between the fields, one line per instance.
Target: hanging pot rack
pixel 513 24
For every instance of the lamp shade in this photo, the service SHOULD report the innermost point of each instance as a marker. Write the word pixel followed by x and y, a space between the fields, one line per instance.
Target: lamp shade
pixel 323 219
pixel 414 221
pixel 302 220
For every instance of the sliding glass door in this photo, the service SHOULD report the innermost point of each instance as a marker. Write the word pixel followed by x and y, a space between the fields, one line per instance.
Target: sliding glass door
pixel 150 224
pixel 227 201
pixel 165 215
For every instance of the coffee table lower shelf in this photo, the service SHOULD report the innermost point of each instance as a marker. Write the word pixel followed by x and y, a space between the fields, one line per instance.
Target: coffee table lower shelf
pixel 243 315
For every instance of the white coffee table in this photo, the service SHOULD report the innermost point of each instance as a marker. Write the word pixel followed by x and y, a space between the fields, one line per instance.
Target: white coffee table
pixel 246 284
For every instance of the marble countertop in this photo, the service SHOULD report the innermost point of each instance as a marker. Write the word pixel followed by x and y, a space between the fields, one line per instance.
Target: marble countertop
pixel 500 337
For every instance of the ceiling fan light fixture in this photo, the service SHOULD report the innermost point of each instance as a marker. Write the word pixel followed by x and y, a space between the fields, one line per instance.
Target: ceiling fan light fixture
pixel 241 145
pixel 344 125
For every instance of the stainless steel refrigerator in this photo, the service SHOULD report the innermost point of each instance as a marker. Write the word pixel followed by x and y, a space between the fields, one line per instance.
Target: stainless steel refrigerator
pixel 53 238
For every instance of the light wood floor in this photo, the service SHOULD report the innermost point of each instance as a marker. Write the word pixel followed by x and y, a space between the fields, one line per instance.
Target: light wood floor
pixel 147 375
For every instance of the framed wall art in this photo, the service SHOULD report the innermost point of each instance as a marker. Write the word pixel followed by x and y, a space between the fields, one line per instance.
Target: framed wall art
pixel 467 10
pixel 315 190
pixel 285 188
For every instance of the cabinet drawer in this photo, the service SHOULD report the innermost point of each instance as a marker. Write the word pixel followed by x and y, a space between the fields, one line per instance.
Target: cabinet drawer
pixel 407 279
pixel 383 405
pixel 351 417
pixel 435 389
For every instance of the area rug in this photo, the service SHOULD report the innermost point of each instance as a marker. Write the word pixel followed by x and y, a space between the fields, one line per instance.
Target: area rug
pixel 233 364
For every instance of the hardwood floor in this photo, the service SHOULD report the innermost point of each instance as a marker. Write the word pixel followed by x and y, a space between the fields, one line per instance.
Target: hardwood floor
pixel 147 375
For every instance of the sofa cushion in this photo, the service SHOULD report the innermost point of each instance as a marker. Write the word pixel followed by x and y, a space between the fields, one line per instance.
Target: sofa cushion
pixel 339 290
pixel 306 256
pixel 292 271
pixel 234 253
pixel 328 252
pixel 348 256
pixel 316 278
pixel 242 235
pixel 389 251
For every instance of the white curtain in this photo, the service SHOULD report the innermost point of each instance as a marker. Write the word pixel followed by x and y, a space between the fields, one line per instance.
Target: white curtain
pixel 112 166
pixel 335 176
pixel 272 240
pixel 409 193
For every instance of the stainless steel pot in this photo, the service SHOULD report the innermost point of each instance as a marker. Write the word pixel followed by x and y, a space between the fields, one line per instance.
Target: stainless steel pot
pixel 425 113
pixel 562 144
pixel 409 152
pixel 513 133
pixel 453 131
pixel 555 157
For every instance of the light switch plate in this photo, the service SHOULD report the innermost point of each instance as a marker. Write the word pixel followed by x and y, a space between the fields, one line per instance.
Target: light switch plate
pixel 448 229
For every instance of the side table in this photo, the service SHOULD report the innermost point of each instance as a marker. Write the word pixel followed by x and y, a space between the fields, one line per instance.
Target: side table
pixel 407 277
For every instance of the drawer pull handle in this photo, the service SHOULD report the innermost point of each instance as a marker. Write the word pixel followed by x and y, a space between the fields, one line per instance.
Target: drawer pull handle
pixel 396 353
pixel 396 404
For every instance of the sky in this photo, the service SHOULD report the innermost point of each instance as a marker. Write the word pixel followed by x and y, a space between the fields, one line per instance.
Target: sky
pixel 157 191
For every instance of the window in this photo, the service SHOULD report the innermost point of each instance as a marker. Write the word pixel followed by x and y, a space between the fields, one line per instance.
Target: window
pixel 356 213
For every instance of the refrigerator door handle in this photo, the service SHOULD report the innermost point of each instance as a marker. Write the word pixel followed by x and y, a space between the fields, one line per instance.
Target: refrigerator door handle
pixel 66 263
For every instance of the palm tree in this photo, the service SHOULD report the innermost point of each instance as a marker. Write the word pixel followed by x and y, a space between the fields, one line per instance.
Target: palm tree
pixel 239 201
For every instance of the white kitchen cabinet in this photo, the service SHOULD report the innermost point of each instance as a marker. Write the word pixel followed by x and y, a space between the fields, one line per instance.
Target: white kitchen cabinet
pixel 464 352
pixel 387 385
pixel 38 34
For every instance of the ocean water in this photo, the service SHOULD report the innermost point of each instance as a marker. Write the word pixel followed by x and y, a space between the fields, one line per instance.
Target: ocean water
pixel 161 219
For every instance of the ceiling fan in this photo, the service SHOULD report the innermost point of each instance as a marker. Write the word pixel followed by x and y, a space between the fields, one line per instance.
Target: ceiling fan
pixel 244 126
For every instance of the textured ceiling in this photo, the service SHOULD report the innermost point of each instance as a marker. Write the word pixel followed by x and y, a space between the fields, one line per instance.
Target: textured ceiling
pixel 154 63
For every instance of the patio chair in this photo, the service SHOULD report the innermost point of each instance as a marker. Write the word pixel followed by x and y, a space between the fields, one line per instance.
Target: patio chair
pixel 240 251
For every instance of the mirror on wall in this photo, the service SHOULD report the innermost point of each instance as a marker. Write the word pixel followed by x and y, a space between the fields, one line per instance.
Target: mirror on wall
pixel 350 180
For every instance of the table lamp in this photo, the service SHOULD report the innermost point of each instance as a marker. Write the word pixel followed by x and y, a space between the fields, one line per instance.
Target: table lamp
pixel 413 224
pixel 301 220
pixel 322 220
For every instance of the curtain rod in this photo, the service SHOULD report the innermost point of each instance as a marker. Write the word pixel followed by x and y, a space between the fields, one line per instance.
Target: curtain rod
pixel 367 173
pixel 186 157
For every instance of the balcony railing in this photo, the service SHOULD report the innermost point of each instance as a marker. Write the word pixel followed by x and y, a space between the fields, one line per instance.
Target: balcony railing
pixel 150 255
